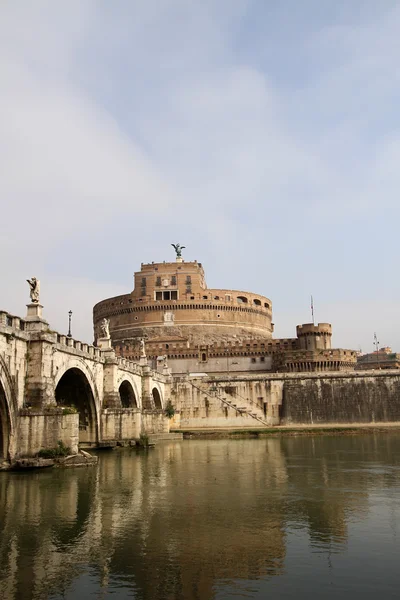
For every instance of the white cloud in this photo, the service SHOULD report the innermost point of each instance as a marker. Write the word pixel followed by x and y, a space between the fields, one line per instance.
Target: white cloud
pixel 125 126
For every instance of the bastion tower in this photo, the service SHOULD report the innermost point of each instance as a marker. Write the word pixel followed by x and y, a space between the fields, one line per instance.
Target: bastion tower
pixel 171 301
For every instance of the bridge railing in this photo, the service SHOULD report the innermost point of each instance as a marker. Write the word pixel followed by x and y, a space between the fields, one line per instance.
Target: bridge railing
pixel 9 320
pixel 129 365
pixel 69 342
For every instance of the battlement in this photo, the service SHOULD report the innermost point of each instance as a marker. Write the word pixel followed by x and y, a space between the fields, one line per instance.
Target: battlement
pixel 314 337
pixel 319 360
pixel 183 349
pixel 311 329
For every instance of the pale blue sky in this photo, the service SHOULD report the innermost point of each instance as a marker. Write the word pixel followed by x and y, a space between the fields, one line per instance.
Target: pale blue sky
pixel 262 135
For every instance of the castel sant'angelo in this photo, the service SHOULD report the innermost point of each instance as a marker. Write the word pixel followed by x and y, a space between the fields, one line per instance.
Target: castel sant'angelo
pixel 197 329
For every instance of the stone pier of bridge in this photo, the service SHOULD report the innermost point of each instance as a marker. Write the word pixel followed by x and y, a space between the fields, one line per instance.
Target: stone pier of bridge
pixel 54 388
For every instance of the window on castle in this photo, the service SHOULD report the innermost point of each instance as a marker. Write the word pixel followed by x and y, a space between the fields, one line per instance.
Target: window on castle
pixel 143 281
pixel 167 295
pixel 188 279
pixel 262 359
pixel 253 360
pixel 158 281
pixel 173 280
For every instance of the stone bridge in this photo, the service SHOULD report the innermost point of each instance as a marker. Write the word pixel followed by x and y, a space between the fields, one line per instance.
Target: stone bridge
pixel 55 388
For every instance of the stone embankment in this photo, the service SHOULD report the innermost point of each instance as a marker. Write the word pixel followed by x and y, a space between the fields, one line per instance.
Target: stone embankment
pixel 287 399
pixel 294 430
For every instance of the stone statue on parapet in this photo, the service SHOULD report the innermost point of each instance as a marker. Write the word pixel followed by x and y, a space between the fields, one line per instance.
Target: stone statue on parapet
pixel 178 249
pixel 142 348
pixel 34 291
pixel 105 328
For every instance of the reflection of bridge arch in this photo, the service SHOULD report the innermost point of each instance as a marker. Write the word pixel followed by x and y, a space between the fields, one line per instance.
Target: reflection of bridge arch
pixel 8 411
pixel 75 387
pixel 127 395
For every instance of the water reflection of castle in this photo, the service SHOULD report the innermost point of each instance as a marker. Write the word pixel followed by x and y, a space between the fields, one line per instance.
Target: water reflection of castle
pixel 175 522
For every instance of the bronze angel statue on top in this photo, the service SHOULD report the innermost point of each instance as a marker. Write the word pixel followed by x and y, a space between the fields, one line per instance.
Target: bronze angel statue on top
pixel 178 249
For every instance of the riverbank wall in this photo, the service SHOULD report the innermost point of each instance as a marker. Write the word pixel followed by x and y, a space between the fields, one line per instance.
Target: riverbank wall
pixel 287 399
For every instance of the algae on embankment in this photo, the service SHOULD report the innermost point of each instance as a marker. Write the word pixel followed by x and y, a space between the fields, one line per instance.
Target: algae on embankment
pixel 290 431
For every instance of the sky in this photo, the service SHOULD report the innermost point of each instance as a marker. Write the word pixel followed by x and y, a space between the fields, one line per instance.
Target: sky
pixel 262 135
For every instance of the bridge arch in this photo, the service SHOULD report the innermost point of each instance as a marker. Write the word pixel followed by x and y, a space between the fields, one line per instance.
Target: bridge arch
pixel 8 412
pixel 135 382
pixel 129 398
pixel 5 425
pixel 157 396
pixel 75 387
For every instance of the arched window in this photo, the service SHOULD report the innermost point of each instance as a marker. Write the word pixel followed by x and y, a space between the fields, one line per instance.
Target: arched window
pixel 242 299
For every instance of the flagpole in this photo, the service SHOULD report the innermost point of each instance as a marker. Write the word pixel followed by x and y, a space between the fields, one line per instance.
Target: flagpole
pixel 312 310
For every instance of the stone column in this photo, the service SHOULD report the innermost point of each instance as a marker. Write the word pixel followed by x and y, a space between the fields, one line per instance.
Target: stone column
pixel 275 401
pixel 39 381
pixel 147 396
pixel 34 318
pixel 111 397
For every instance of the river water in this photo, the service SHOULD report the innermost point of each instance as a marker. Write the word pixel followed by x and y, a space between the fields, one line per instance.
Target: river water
pixel 251 518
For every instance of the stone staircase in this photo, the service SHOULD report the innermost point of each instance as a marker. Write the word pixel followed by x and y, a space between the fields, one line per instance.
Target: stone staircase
pixel 240 409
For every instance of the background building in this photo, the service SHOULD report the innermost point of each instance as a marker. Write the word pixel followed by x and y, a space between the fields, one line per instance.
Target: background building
pixel 384 358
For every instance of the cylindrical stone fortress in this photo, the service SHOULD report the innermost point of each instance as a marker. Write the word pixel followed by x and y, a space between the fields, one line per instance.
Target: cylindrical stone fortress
pixel 171 301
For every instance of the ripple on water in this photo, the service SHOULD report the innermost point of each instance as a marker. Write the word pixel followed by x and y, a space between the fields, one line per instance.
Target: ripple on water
pixel 209 519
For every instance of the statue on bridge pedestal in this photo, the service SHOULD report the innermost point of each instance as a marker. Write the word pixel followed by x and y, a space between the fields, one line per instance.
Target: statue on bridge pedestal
pixel 105 328
pixel 142 349
pixel 34 291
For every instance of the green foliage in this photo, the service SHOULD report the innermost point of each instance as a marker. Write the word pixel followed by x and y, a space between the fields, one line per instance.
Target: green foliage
pixel 69 410
pixel 169 410
pixel 143 440
pixel 60 450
